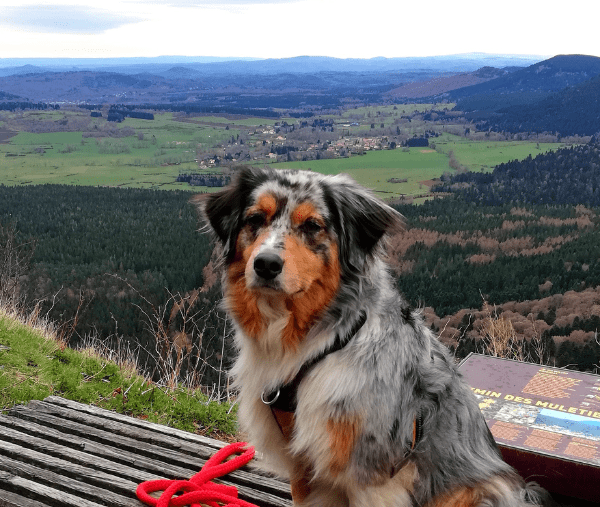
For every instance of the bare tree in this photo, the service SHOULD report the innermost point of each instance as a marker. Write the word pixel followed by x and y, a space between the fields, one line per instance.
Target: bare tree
pixel 15 258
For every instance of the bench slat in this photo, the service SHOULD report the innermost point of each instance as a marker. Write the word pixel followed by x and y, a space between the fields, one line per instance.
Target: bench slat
pixel 9 499
pixel 63 483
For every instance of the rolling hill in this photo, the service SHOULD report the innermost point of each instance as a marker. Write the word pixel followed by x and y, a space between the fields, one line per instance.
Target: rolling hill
pixel 527 85
pixel 572 111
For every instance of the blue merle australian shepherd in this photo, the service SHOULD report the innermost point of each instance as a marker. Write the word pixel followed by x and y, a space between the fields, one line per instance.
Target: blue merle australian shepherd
pixel 341 386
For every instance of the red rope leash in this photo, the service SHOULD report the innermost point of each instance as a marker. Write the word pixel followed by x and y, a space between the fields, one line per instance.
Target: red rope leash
pixel 199 488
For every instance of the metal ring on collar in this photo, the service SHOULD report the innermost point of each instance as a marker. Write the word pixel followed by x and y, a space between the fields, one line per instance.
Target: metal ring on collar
pixel 272 400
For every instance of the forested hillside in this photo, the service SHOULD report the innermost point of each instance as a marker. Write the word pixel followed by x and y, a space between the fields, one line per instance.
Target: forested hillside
pixel 524 237
pixel 455 253
pixel 566 176
pixel 573 111
pixel 110 260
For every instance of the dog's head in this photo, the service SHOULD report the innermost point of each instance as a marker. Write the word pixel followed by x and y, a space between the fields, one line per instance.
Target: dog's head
pixel 292 237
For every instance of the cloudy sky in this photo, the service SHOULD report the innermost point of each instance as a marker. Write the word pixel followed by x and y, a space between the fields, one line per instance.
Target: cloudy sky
pixel 285 28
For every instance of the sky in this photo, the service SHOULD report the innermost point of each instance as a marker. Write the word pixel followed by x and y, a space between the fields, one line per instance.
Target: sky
pixel 287 28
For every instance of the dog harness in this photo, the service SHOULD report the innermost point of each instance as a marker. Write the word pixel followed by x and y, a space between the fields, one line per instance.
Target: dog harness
pixel 284 398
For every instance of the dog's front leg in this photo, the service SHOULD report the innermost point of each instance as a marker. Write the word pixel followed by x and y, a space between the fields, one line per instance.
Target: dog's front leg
pixel 300 482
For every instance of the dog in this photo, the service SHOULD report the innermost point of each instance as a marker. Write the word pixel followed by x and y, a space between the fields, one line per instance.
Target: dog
pixel 342 387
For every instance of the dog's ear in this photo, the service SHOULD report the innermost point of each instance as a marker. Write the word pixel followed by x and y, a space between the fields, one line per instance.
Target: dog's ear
pixel 360 219
pixel 223 210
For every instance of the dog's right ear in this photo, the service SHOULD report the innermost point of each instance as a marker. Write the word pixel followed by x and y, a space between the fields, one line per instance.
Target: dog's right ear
pixel 223 211
pixel 219 210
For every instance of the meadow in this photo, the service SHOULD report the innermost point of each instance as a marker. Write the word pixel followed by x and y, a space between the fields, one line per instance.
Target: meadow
pixel 375 168
pixel 485 155
pixel 145 154
pixel 151 154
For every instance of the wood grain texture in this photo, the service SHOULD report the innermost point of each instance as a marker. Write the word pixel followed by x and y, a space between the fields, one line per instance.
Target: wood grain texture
pixel 62 453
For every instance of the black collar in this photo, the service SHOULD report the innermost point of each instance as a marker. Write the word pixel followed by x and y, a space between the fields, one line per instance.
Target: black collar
pixel 285 397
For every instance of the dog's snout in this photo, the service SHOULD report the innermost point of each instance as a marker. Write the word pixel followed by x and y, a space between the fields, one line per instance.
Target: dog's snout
pixel 268 265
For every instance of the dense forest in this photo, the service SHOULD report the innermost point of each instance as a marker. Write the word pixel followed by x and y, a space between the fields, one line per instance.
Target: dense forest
pixel 14 105
pixel 527 231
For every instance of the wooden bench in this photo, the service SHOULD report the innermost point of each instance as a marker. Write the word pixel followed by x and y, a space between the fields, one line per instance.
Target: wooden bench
pixel 56 453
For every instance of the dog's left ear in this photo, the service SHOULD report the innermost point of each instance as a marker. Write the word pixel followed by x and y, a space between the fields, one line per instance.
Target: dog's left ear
pixel 360 218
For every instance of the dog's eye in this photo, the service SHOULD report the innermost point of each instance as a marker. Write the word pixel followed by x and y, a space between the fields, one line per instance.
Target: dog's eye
pixel 311 227
pixel 256 220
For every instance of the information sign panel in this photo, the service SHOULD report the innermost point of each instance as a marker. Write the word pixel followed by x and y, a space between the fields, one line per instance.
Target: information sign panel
pixel 545 420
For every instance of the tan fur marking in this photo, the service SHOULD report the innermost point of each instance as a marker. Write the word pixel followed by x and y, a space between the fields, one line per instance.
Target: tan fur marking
pixel 407 476
pixel 303 212
pixel 242 303
pixel 266 204
pixel 313 285
pixel 462 497
pixel 343 433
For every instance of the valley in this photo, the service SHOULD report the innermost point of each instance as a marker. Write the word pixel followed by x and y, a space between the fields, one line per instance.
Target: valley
pixel 501 209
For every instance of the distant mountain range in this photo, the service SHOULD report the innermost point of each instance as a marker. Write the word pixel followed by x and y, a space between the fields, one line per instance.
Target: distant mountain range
pixel 195 67
pixel 318 81
pixel 444 84
pixel 556 95
pixel 574 110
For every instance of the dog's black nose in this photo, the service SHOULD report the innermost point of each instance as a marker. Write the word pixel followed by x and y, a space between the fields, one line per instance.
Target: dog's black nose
pixel 268 265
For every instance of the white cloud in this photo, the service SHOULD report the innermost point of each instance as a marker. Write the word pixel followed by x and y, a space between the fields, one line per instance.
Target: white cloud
pixel 75 19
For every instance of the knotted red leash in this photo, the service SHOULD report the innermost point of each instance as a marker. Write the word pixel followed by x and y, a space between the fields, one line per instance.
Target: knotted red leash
pixel 199 488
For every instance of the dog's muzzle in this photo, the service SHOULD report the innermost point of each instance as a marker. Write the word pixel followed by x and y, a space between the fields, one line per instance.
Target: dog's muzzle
pixel 268 265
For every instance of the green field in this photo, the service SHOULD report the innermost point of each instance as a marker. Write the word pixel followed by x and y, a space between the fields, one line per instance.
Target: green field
pixel 485 155
pixel 153 156
pixel 374 169
pixel 244 122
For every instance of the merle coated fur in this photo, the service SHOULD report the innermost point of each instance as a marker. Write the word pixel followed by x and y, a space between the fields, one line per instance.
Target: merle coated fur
pixel 392 372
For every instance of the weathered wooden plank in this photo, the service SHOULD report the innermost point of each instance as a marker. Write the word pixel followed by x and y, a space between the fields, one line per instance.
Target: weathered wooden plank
pixel 159 428
pixel 118 434
pixel 90 447
pixel 101 472
pixel 64 483
pixel 43 460
pixel 36 491
pixel 10 499
pixel 102 456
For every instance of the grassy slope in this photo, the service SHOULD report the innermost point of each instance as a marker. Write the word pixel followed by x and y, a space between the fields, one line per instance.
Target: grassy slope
pixel 485 155
pixel 34 365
